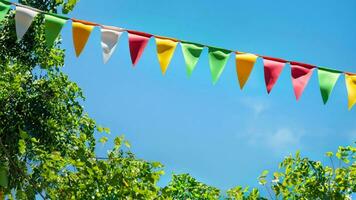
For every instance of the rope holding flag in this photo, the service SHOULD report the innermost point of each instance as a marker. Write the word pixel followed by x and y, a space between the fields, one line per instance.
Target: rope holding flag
pixel 301 74
pixel 217 61
pixel 327 81
pixel 272 69
pixel 350 80
pixel 191 54
pixel 81 32
pixel 109 38
pixel 23 18
pixel 244 66
pixel 218 57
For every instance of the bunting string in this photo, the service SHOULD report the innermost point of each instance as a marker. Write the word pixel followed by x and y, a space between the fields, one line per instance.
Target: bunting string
pixel 218 57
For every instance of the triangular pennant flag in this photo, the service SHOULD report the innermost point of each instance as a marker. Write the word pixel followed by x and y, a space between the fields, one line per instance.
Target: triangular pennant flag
pixel 23 18
pixel 81 32
pixel 191 53
pixel 137 43
pixel 350 80
pixel 327 81
pixel 217 61
pixel 165 51
pixel 272 69
pixel 301 74
pixel 244 65
pixel 53 26
pixel 4 9
pixel 109 38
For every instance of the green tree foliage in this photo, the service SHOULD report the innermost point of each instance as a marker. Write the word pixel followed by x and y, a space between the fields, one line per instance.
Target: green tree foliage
pixel 119 176
pixel 40 114
pixel 302 178
pixel 184 186
pixel 47 142
pixel 241 193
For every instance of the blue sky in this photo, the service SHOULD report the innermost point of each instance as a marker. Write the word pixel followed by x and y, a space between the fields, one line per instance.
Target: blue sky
pixel 219 134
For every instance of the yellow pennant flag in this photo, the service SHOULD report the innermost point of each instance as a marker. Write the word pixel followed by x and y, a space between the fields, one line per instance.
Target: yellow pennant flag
pixel 81 31
pixel 244 65
pixel 165 51
pixel 350 80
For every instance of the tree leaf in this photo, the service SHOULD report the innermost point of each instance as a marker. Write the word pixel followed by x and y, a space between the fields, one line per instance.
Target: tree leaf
pixel 103 140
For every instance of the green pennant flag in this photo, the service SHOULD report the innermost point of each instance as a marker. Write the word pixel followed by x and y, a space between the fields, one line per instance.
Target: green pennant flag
pixel 53 26
pixel 217 61
pixel 191 53
pixel 327 81
pixel 4 9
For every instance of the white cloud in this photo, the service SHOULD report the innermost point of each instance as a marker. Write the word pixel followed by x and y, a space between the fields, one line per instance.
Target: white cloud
pixel 284 139
pixel 352 135
pixel 256 105
pixel 280 141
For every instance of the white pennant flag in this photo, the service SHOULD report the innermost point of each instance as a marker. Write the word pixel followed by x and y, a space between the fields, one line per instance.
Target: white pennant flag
pixel 109 37
pixel 23 18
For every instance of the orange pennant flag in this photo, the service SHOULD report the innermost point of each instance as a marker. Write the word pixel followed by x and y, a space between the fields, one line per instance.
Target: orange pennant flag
pixel 244 66
pixel 81 31
pixel 165 51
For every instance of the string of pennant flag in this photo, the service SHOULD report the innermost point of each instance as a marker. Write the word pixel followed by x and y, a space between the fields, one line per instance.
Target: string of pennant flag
pixel 218 57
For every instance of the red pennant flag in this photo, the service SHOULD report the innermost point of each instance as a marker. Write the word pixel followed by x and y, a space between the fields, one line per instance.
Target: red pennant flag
pixel 272 68
pixel 301 74
pixel 137 43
